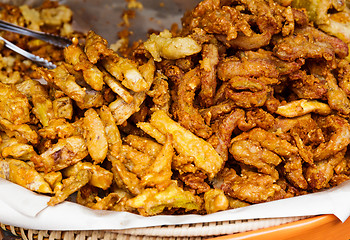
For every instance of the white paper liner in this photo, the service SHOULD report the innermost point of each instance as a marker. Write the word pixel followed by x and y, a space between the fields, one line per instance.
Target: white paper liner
pixel 15 211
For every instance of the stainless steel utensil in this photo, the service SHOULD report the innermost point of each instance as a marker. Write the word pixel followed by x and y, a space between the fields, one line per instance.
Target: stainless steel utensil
pixel 50 38
pixel 39 60
pixel 55 40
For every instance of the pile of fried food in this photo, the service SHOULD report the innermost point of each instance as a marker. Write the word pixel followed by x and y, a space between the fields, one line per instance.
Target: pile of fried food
pixel 246 103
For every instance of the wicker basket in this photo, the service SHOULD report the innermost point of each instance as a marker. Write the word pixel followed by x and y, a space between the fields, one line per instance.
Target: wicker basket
pixel 178 232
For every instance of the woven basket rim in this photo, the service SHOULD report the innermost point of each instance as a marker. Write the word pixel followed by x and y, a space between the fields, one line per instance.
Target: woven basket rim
pixel 169 231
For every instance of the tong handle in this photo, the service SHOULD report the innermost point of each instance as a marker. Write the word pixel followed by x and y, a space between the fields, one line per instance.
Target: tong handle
pixel 50 38
pixel 39 60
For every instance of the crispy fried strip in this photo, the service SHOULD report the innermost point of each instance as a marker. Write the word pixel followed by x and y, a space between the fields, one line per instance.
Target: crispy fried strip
pixel 74 55
pixel 159 172
pixel 96 139
pixel 70 185
pixel 95 46
pixel 64 153
pixel 23 174
pixel 100 177
pixel 187 115
pixel 188 144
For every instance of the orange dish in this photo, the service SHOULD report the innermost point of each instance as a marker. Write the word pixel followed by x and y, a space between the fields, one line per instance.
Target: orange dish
pixel 319 227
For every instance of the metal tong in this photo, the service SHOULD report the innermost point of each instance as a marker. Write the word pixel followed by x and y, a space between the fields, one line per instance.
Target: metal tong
pixel 50 38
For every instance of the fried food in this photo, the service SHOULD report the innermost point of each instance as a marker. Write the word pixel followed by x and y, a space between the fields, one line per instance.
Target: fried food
pixel 100 177
pixel 166 46
pixel 247 103
pixel 23 174
pixel 188 144
pixel 14 105
pixel 152 201
pixel 70 185
pixel 96 139
pixel 215 200
pixel 66 152
pixel 75 56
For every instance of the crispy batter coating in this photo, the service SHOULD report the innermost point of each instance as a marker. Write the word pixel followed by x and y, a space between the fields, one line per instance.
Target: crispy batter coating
pixel 248 186
pixel 268 140
pixel 66 82
pixel 215 200
pixel 23 132
pixel 14 105
pixel 100 177
pixel 159 172
pixel 169 47
pixel 96 139
pixel 64 153
pixel 95 46
pixel 23 174
pixel 186 143
pixel 152 201
pixel 124 178
pixel 70 185
pixel 252 154
pixel 187 115
pixel 75 55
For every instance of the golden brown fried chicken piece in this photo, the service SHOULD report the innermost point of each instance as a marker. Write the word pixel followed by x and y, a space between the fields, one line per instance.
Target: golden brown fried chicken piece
pixel 195 181
pixel 152 201
pixel 95 47
pixel 12 147
pixel 184 111
pixel 38 95
pixel 249 186
pixel 135 161
pixel 23 132
pixel 160 93
pixel 252 154
pixel 222 136
pixel 210 59
pixel 95 136
pixel 319 174
pixel 338 129
pixel 307 86
pixel 294 171
pixel 269 141
pixel 66 82
pixel 57 128
pixel 124 179
pixel 64 153
pixel 337 98
pixel 23 174
pixel 143 144
pixel 260 63
pixel 100 177
pixel 215 200
pixel 14 105
pixel 188 144
pixel 75 55
pixel 70 185
pixel 309 42
pixel 159 172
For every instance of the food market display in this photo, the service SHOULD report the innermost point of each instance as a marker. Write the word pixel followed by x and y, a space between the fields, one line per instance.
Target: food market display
pixel 246 102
